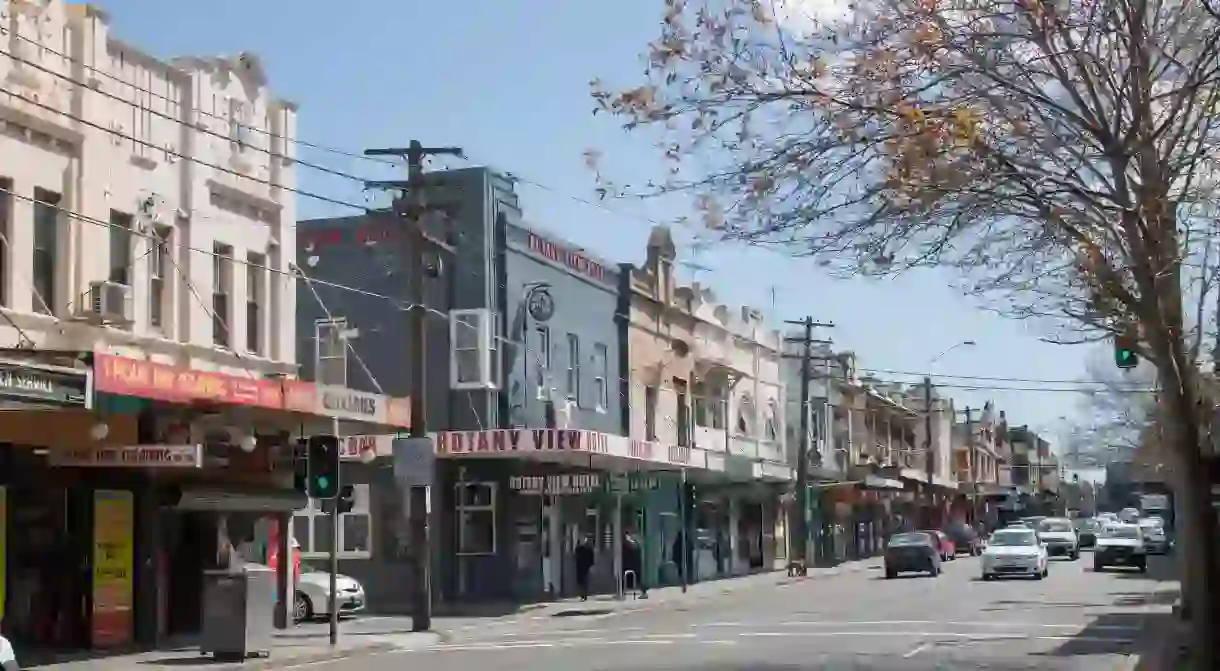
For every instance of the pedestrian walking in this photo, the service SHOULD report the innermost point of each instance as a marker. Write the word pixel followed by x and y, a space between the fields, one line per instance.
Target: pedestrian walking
pixel 633 560
pixel 584 557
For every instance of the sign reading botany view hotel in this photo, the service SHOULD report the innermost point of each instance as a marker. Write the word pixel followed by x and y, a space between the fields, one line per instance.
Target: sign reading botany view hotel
pixel 510 441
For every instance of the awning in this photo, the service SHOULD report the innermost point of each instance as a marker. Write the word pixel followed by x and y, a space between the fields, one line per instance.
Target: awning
pixel 878 482
pixel 237 501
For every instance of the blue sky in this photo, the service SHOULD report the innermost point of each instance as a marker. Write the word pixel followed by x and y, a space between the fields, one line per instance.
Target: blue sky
pixel 508 82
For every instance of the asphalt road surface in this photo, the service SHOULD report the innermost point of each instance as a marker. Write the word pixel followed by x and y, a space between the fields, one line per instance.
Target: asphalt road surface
pixel 1075 619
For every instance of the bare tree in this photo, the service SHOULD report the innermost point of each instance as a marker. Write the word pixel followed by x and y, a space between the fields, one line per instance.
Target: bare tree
pixel 1115 414
pixel 1061 154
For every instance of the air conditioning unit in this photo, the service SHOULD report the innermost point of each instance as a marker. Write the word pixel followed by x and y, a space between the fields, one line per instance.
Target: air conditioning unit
pixel 109 303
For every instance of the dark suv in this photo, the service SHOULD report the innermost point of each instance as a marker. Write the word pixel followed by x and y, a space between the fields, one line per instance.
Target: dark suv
pixel 964 538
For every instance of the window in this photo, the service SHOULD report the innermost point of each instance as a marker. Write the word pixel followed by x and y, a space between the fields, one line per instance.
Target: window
pixel 238 125
pixel 330 366
pixel 159 264
pixel 769 426
pixel 601 373
pixel 46 249
pixel 222 290
pixel 311 528
pixel 745 416
pixel 543 362
pixel 650 413
pixel 256 273
pixel 476 518
pixel 120 248
pixel 6 228
pixel 474 352
pixel 684 430
pixel 574 367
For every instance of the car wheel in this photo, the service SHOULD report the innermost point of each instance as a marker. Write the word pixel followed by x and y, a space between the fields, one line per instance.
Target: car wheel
pixel 1046 571
pixel 1098 567
pixel 1075 555
pixel 987 577
pixel 890 575
pixel 934 571
pixel 1143 568
pixel 302 608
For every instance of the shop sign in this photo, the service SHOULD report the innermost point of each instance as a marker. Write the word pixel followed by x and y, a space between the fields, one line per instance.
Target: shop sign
pixel 130 456
pixel 355 447
pixel 347 403
pixel 113 561
pixel 160 382
pixel 516 441
pixel 556 485
pixel 29 383
pixel 573 260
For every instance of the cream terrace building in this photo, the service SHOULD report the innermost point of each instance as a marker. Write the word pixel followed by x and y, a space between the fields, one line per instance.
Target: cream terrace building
pixel 704 385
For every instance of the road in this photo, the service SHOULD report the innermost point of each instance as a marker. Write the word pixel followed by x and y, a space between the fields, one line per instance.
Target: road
pixel 1075 619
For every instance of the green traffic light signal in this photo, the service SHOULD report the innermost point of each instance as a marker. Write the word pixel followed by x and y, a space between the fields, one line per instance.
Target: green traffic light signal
pixel 1125 356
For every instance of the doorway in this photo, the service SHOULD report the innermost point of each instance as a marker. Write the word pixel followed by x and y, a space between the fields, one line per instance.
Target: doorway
pixel 49 576
pixel 190 540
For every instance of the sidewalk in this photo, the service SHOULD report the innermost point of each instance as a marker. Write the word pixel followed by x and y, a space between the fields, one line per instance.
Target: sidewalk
pixel 294 647
pixel 1163 641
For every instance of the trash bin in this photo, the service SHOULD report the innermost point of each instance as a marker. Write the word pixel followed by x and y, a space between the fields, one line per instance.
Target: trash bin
pixel 238 613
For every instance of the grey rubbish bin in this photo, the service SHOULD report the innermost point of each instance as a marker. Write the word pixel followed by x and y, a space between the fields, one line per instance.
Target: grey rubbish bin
pixel 238 613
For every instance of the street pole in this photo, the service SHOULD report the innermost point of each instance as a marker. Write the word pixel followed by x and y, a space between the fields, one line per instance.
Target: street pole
pixel 929 457
pixel 970 464
pixel 684 555
pixel 332 601
pixel 799 543
pixel 410 207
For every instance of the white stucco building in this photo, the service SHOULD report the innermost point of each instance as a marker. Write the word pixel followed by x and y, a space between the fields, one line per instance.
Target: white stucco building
pixel 106 150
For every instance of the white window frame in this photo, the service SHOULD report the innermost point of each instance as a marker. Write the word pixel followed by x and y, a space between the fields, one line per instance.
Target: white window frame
pixel 361 506
pixel 474 333
pixel 338 325
pixel 543 362
pixel 256 289
pixel 461 507
pixel 573 380
pixel 601 375
pixel 160 260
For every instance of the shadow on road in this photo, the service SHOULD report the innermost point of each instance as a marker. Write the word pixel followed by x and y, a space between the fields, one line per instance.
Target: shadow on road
pixel 1109 634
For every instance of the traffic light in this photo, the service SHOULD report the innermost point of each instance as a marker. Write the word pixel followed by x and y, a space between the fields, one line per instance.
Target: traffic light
pixel 347 499
pixel 323 467
pixel 300 466
pixel 1125 356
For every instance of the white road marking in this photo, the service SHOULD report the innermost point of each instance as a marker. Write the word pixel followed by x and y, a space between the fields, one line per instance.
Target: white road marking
pixel 916 650
pixel 889 623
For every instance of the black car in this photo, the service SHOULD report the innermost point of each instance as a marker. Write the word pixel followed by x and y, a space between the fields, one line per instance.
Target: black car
pixel 912 553
pixel 964 539
pixel 1086 531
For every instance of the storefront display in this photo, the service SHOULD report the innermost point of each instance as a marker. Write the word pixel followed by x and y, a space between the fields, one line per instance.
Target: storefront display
pixel 113 526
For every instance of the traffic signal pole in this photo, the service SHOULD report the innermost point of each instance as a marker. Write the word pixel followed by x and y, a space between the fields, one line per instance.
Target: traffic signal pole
pixel 332 601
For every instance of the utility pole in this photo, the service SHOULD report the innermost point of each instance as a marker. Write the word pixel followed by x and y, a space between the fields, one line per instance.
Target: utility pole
pixel 970 463
pixel 410 208
pixel 929 455
pixel 799 538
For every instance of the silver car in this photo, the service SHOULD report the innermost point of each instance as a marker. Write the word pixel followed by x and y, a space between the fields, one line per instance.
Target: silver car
pixel 1155 539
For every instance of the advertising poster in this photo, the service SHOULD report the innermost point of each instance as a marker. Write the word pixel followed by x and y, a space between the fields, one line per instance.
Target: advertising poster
pixel 3 549
pixel 113 527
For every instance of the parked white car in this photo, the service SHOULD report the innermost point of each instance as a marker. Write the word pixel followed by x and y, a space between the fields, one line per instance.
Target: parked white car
pixel 8 660
pixel 1058 535
pixel 313 590
pixel 1015 551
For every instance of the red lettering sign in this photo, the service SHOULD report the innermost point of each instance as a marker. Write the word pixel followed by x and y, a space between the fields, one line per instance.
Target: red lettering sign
pixel 148 379
pixel 574 260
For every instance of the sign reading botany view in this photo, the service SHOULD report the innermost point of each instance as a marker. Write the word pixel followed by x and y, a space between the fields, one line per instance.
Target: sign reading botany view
pixel 507 441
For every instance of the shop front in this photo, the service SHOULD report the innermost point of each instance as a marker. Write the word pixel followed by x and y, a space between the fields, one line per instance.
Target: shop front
pixel 516 503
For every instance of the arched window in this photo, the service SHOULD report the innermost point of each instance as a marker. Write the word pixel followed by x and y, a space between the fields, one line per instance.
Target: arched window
pixel 770 421
pixel 745 415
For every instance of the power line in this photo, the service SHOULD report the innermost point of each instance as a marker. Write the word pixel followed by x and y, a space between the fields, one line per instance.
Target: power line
pixel 171 118
pixel 296 274
pixel 192 159
pixel 165 98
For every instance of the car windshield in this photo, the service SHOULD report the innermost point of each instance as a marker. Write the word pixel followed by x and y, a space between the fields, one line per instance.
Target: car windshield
pixel 1055 526
pixel 1012 539
pixel 1123 532
pixel 910 539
